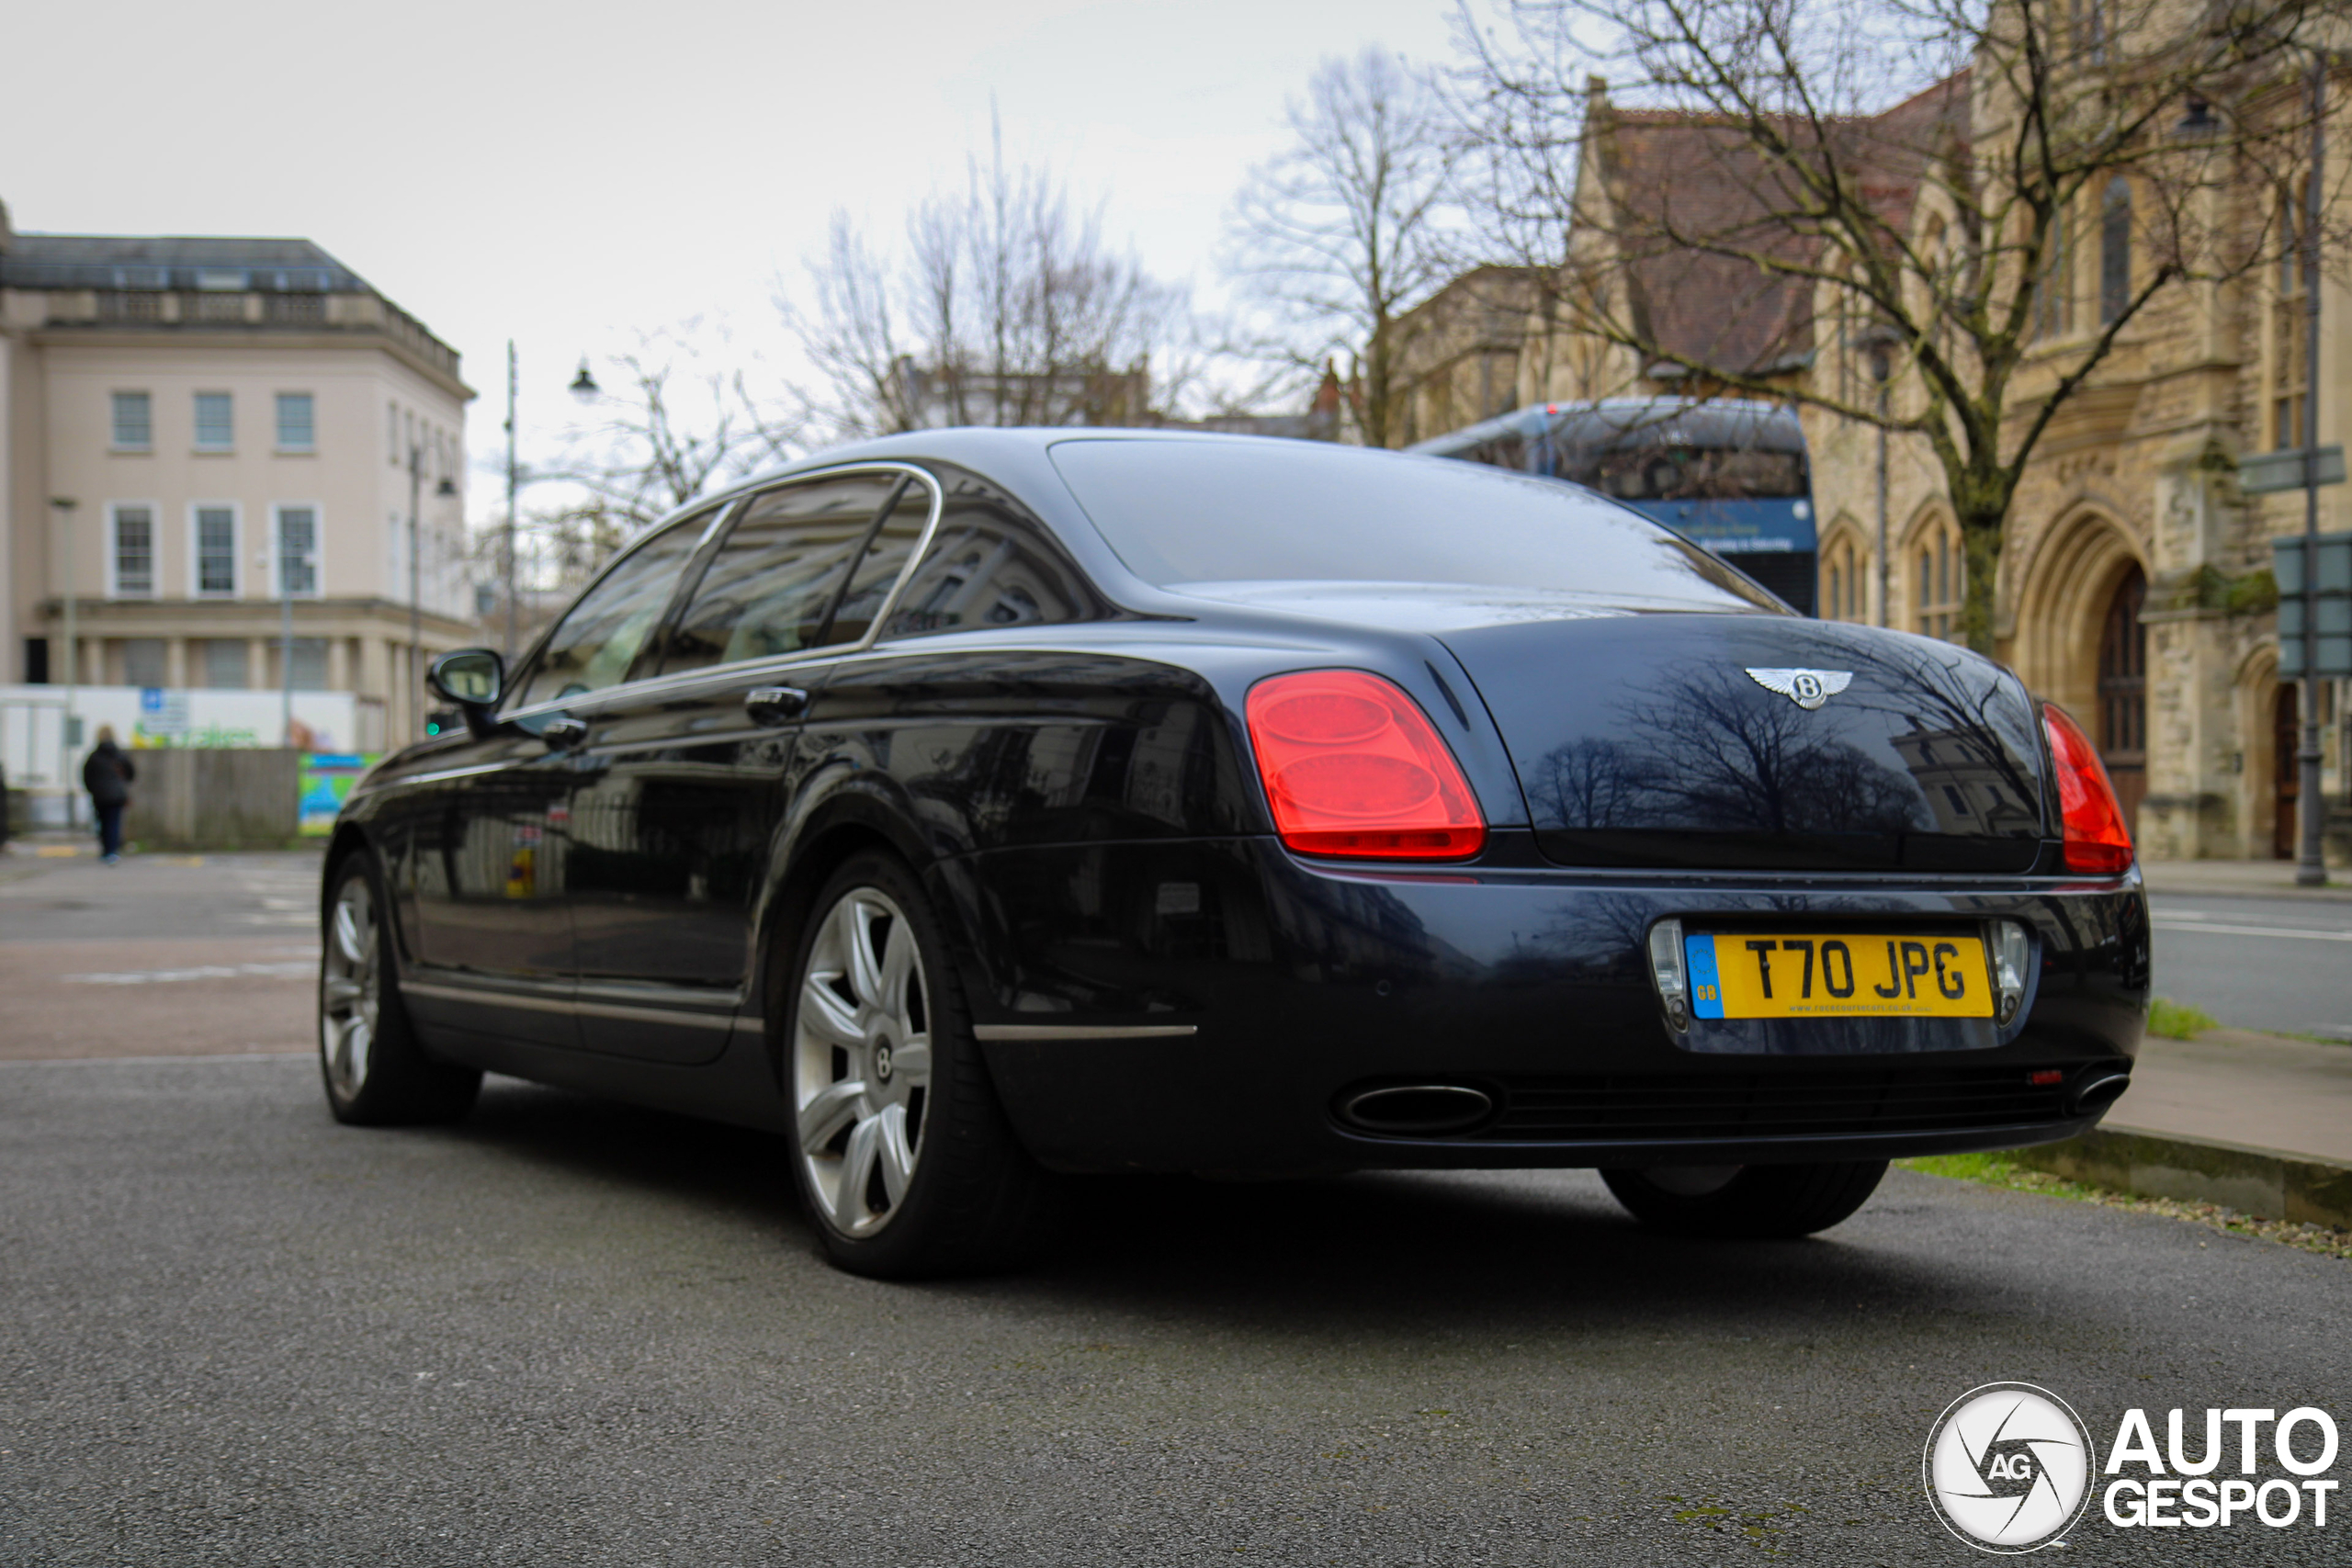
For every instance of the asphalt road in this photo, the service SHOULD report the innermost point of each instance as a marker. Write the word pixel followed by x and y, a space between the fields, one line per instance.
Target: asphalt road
pixel 2273 964
pixel 160 955
pixel 570 1332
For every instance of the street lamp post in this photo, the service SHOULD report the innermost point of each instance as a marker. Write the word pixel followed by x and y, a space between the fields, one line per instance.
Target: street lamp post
pixel 69 736
pixel 1880 344
pixel 2310 867
pixel 415 594
pixel 584 388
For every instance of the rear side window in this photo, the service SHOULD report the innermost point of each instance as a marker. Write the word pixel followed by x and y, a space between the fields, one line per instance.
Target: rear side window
pixel 1212 512
pixel 598 639
pixel 879 569
pixel 770 590
pixel 986 567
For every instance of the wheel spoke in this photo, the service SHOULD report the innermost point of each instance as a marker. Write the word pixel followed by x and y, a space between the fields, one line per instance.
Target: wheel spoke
pixel 911 1061
pixel 897 1159
pixel 350 933
pixel 857 1170
pixel 865 964
pixel 343 992
pixel 824 1014
pixel 823 1117
pixel 897 964
pixel 359 1042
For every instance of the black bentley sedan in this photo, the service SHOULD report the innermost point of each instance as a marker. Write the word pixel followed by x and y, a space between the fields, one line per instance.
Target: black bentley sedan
pixel 977 806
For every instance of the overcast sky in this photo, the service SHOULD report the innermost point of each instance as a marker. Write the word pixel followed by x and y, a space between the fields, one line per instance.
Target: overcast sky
pixel 569 173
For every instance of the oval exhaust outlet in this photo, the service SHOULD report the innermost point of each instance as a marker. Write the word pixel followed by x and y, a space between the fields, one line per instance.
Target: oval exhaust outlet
pixel 2100 1093
pixel 1416 1109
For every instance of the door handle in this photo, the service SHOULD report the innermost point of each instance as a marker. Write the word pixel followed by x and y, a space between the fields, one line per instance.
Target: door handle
pixel 775 704
pixel 563 734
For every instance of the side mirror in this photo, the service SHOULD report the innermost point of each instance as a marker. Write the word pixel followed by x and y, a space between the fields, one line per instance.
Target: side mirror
pixel 474 679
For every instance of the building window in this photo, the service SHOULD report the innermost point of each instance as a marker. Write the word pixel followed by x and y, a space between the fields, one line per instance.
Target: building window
pixel 142 662
pixel 133 553
pixel 2115 250
pixel 309 667
pixel 134 423
pixel 216 422
pixel 216 552
pixel 2290 335
pixel 298 552
pixel 2053 294
pixel 224 665
pixel 392 434
pixel 296 432
pixel 1942 581
pixel 1844 573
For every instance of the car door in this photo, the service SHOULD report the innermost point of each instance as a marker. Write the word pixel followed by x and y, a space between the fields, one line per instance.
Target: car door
pixel 685 774
pixel 490 831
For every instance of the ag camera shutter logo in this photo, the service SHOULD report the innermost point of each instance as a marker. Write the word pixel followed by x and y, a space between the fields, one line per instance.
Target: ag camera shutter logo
pixel 2008 1467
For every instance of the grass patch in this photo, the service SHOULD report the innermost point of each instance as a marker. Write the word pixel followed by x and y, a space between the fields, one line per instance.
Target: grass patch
pixel 2179 1021
pixel 2001 1170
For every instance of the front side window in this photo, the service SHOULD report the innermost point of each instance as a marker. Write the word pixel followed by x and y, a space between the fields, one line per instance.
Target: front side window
pixel 989 567
pixel 597 640
pixel 298 552
pixel 770 588
pixel 297 430
pixel 216 552
pixel 216 422
pixel 134 552
pixel 134 422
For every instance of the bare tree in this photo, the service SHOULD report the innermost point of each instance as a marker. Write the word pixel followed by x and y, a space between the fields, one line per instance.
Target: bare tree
pixel 1947 226
pixel 673 426
pixel 1347 229
pixel 1005 305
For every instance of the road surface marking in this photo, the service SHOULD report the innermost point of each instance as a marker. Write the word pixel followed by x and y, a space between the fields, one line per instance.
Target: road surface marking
pixel 2216 928
pixel 194 972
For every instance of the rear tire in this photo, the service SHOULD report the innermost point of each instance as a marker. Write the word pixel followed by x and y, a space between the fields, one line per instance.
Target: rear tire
pixel 377 1074
pixel 902 1154
pixel 1747 1203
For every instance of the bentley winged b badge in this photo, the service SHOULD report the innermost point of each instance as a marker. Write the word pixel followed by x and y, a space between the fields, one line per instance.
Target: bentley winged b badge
pixel 1806 688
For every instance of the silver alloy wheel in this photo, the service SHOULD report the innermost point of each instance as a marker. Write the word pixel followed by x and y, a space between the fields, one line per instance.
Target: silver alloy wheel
pixel 350 988
pixel 861 1061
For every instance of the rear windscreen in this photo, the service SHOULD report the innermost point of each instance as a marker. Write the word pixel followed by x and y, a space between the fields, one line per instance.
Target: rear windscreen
pixel 1202 512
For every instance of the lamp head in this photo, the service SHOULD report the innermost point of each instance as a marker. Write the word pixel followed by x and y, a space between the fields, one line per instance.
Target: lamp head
pixel 583 386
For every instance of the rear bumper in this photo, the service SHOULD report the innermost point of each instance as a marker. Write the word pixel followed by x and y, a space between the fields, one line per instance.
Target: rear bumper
pixel 1303 984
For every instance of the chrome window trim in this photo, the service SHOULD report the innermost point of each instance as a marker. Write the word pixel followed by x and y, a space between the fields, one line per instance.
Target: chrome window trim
pixel 721 511
pixel 686 683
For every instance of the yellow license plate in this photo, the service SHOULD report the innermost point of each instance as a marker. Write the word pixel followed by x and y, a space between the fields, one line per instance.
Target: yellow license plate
pixel 1743 975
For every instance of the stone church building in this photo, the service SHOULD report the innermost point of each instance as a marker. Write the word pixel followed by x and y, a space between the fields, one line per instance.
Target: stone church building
pixel 2134 579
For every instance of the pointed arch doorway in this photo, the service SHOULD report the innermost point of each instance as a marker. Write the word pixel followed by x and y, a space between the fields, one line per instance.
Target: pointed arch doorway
pixel 2123 695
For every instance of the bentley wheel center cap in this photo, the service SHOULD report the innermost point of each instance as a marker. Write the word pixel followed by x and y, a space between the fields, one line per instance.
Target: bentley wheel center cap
pixel 882 1061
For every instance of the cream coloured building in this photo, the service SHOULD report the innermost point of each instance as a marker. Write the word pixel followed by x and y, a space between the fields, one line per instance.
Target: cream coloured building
pixel 243 426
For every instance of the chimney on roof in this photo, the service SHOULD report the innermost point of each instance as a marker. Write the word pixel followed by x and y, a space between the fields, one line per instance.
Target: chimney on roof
pixel 1596 88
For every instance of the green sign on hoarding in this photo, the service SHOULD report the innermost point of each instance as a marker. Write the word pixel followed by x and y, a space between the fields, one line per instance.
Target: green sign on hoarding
pixel 2332 612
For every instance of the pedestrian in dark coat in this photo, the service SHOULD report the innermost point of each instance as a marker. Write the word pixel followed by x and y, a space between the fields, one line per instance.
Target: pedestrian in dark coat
pixel 106 774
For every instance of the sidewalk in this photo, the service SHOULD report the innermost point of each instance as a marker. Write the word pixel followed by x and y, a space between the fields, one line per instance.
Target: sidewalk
pixel 2255 1121
pixel 2264 878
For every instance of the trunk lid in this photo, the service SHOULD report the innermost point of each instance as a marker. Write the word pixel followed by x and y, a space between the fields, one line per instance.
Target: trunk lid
pixel 1762 742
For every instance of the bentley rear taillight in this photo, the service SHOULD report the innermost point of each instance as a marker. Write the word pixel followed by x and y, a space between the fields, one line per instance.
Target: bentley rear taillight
pixel 2097 841
pixel 1353 768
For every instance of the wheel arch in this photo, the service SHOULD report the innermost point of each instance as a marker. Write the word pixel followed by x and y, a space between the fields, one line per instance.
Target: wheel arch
pixel 856 815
